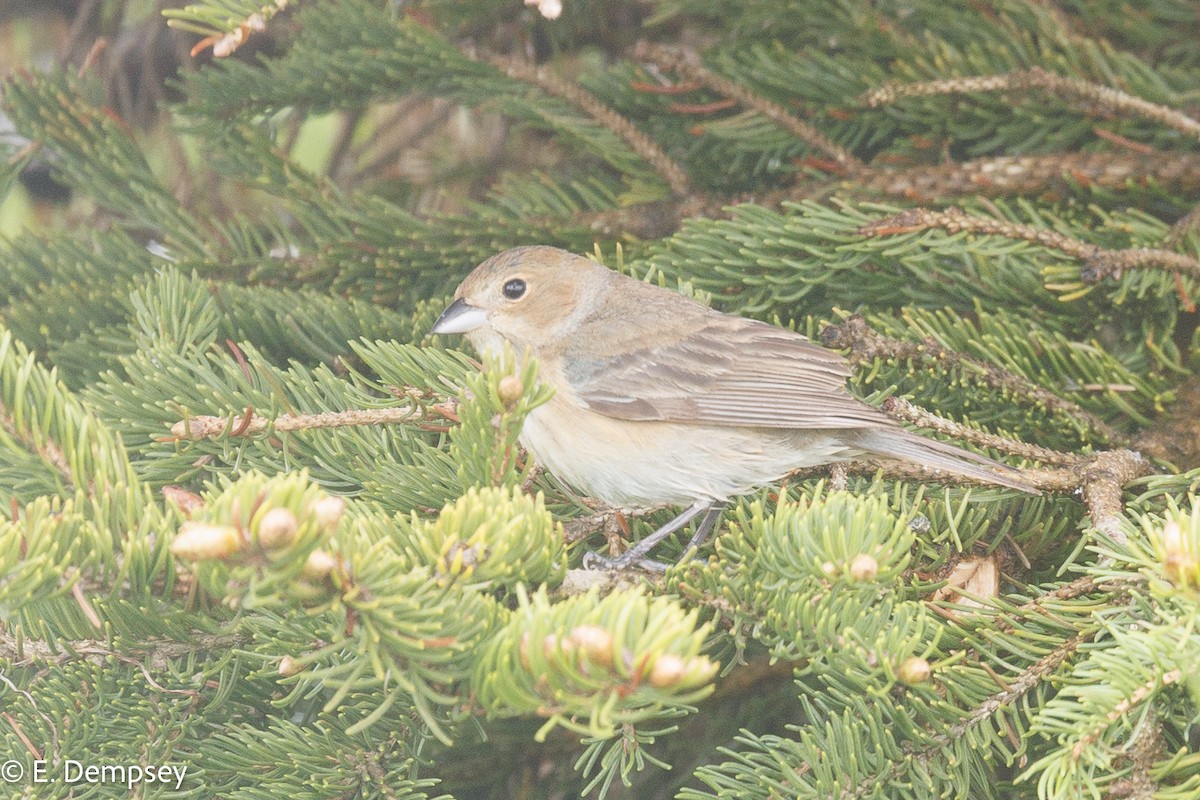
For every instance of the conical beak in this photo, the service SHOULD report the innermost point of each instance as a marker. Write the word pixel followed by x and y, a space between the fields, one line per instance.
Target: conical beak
pixel 460 317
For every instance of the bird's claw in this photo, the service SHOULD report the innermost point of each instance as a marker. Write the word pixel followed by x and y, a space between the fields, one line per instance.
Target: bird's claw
pixel 593 560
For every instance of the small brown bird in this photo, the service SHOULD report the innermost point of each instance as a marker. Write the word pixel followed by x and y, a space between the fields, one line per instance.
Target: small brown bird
pixel 661 400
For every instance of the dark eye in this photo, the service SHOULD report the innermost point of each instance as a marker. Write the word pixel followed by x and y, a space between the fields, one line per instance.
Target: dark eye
pixel 514 289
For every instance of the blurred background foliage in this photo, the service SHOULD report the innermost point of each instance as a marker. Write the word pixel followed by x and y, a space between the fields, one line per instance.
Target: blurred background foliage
pixel 255 215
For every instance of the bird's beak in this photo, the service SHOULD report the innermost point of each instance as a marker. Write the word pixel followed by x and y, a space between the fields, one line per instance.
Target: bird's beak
pixel 460 317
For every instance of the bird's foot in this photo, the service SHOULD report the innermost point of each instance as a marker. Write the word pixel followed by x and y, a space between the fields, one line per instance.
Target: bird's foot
pixel 630 559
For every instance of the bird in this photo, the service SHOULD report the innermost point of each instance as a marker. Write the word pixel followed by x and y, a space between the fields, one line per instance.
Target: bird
pixel 660 400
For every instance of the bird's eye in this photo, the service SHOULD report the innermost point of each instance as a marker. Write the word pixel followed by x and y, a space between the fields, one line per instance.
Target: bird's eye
pixel 514 289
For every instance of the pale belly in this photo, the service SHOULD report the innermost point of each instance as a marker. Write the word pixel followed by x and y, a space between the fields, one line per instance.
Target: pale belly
pixel 630 463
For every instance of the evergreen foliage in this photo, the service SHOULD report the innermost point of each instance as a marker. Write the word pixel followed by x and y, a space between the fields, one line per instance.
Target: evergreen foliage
pixel 259 524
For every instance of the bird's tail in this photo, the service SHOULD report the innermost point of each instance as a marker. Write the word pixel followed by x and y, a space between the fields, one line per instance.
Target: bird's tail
pixel 906 446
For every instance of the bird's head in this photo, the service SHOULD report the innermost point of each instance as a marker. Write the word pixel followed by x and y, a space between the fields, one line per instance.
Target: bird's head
pixel 528 296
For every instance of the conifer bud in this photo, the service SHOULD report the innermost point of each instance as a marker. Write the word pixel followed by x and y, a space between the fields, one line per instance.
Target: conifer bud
pixel 595 642
pixel 288 666
pixel 864 567
pixel 667 671
pixel 1172 537
pixel 915 670
pixel 1181 566
pixel 510 390
pixel 328 511
pixel 277 529
pixel 318 567
pixel 200 541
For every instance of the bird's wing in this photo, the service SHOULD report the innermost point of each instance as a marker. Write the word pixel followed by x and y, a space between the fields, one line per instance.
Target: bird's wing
pixel 721 370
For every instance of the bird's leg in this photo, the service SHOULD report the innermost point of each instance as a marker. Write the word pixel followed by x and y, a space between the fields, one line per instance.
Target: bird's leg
pixel 636 554
pixel 705 528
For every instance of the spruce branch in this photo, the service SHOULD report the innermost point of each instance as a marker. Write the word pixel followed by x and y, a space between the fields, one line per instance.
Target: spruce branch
pixel 228 24
pixel 1143 751
pixel 991 176
pixel 934 748
pixel 249 423
pixel 1033 174
pixel 97 153
pixel 593 664
pixel 1124 706
pixel 865 345
pixel 1081 586
pixel 157 653
pixel 1099 262
pixel 674 175
pixel 1100 99
pixel 391 616
pixel 686 63
pixel 1102 483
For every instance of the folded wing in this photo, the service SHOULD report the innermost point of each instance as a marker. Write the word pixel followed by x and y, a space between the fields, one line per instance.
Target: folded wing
pixel 724 371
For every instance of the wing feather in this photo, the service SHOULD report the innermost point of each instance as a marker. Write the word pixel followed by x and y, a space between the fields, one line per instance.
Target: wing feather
pixel 719 370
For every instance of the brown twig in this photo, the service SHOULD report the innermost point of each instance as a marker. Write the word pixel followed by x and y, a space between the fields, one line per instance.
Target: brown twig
pixel 996 176
pixel 686 63
pixel 1017 687
pixel 204 427
pixel 81 25
pixel 702 108
pixel 20 732
pixel 901 409
pixel 1098 262
pixel 1100 99
pixel 639 142
pixel 1068 591
pixel 611 522
pixel 1104 476
pixel 1033 174
pixel 1113 263
pixel 81 599
pixel 158 652
pixel 1123 141
pixel 1122 708
pixel 866 345
pixel 1142 753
